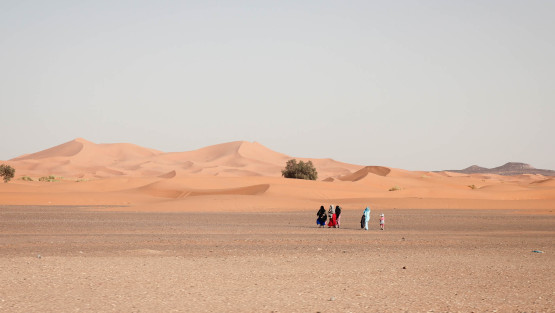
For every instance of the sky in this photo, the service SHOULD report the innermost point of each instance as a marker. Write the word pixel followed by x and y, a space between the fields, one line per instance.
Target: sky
pixel 417 85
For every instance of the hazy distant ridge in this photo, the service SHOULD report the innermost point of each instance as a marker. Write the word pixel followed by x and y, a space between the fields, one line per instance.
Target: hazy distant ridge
pixel 511 168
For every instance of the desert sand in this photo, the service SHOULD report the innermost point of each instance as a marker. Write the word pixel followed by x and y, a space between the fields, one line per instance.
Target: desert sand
pixel 245 176
pixel 95 259
pixel 127 229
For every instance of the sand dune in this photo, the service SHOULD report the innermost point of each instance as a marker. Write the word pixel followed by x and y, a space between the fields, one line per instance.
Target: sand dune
pixel 244 175
pixel 170 174
pixel 80 158
pixel 545 182
pixel 360 174
pixel 64 150
pixel 176 189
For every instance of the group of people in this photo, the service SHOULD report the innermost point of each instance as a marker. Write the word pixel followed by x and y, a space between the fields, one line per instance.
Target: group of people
pixel 334 216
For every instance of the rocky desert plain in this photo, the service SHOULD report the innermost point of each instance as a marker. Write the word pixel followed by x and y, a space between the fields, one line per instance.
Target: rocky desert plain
pixel 122 228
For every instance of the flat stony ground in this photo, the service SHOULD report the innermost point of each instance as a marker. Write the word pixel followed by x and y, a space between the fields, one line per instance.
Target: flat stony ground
pixel 80 259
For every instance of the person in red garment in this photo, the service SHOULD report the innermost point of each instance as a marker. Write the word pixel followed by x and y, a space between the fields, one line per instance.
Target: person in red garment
pixel 332 216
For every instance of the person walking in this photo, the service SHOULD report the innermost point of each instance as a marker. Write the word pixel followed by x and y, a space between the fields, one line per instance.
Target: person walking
pixel 366 216
pixel 338 215
pixel 322 217
pixel 332 217
pixel 382 222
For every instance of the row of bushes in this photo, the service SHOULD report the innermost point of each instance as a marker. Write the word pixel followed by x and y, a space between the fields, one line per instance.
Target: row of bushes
pixel 7 173
pixel 43 178
pixel 48 178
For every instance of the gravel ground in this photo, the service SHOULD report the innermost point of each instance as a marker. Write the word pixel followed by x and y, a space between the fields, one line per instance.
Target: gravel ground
pixel 87 259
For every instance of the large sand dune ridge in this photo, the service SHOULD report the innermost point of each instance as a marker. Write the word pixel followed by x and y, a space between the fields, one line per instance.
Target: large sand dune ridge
pixel 243 175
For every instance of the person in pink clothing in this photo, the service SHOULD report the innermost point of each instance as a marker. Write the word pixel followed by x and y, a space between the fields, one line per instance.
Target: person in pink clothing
pixel 382 222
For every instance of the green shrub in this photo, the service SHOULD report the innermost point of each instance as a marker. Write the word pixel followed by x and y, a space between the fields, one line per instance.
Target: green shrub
pixel 394 188
pixel 48 178
pixel 7 172
pixel 26 178
pixel 299 170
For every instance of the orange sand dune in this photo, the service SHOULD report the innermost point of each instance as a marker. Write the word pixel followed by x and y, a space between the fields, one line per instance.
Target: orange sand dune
pixel 83 159
pixel 246 176
pixel 181 189
pixel 545 182
pixel 360 174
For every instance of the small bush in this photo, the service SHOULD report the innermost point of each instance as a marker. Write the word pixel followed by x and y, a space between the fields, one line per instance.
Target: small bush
pixel 472 186
pixel 299 170
pixel 7 172
pixel 26 178
pixel 48 178
pixel 394 188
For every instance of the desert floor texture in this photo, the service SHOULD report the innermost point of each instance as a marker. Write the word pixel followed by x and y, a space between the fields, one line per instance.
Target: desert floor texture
pixel 99 259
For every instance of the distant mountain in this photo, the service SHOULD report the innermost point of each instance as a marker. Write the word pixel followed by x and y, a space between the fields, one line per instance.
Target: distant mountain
pixel 508 169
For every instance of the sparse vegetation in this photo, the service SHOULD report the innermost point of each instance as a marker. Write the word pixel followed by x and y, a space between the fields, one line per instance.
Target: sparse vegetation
pixel 472 186
pixel 48 178
pixel 301 170
pixel 7 172
pixel 26 178
pixel 394 188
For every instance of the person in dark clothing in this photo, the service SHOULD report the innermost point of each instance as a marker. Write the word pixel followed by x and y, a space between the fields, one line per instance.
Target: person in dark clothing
pixel 338 215
pixel 322 217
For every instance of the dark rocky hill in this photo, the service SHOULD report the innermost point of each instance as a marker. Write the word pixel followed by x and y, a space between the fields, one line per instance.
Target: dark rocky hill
pixel 511 168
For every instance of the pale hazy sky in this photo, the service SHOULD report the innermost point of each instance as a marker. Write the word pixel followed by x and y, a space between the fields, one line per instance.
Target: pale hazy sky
pixel 419 85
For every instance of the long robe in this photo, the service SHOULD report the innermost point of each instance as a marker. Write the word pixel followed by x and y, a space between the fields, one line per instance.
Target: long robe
pixel 366 217
pixel 322 217
pixel 333 221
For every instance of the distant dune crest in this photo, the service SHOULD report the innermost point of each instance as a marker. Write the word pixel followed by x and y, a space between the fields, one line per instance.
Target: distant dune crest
pixel 64 150
pixel 81 158
pixel 362 173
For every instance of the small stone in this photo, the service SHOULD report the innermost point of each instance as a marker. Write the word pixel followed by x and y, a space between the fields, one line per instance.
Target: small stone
pixel 332 299
pixel 39 256
pixel 404 267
